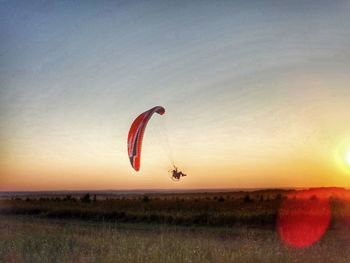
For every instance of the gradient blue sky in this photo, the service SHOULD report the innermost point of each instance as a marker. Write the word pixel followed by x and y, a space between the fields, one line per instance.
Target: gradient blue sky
pixel 257 93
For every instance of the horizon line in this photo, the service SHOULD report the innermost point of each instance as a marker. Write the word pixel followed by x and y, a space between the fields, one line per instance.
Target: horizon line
pixel 168 190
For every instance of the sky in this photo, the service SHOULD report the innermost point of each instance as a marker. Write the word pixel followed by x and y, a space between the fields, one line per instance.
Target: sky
pixel 256 93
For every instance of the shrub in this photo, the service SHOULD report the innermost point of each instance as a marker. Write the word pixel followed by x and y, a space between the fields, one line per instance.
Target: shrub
pixel 145 198
pixel 85 198
pixel 221 199
pixel 247 199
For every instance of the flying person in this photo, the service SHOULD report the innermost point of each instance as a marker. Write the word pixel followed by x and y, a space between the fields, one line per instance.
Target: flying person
pixel 177 174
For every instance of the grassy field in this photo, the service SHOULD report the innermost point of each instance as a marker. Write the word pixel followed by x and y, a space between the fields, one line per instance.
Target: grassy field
pixel 203 227
pixel 26 239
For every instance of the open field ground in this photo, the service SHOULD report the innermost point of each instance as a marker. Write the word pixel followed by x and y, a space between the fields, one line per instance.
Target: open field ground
pixel 26 239
pixel 201 227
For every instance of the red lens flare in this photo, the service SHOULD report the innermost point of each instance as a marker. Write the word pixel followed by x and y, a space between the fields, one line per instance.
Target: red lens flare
pixel 303 219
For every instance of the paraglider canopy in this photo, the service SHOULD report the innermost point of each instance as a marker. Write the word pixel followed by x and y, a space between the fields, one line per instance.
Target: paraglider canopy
pixel 135 135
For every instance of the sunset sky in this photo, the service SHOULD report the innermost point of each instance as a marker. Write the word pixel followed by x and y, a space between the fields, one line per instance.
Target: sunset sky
pixel 257 93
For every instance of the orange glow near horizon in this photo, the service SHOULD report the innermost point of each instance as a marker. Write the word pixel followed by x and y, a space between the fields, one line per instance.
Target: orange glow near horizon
pixel 69 175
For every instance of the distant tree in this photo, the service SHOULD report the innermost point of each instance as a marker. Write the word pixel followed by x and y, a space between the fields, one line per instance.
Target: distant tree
pixel 94 199
pixel 247 199
pixel 261 198
pixel 278 197
pixel 221 199
pixel 67 198
pixel 145 198
pixel 313 198
pixel 85 198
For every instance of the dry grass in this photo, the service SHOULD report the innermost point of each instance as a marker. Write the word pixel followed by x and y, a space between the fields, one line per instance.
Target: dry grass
pixel 26 239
